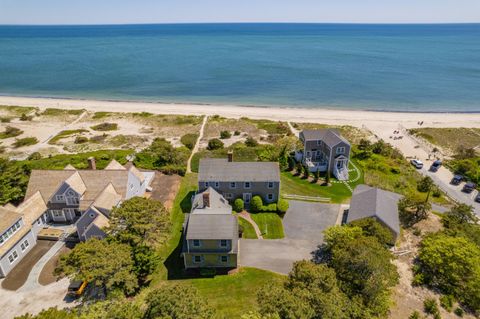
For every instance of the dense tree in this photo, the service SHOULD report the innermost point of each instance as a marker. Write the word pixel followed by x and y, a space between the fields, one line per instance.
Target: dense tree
pixel 176 302
pixel 112 309
pixel 13 181
pixel 106 263
pixel 51 313
pixel 214 144
pixel 251 142
pixel 225 135
pixel 451 264
pixel 371 227
pixel 140 221
pixel 460 214
pixel 426 185
pixel 412 210
pixel 257 315
pixel 163 156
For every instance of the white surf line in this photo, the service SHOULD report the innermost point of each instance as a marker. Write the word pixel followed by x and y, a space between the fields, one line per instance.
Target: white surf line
pixel 197 144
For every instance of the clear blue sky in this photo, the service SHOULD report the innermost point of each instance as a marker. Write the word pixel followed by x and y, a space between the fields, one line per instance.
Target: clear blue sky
pixel 171 11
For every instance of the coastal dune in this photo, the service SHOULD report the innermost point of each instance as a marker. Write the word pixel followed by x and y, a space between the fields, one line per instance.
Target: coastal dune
pixel 373 120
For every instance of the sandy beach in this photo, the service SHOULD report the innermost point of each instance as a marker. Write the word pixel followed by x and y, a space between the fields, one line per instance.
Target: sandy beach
pixel 375 121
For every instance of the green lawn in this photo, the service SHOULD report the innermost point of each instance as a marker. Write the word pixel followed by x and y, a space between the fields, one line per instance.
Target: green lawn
pixel 270 225
pixel 234 295
pixel 248 230
pixel 337 192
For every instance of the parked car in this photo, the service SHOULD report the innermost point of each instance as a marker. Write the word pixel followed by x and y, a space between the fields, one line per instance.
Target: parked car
pixel 76 288
pixel 435 166
pixel 469 187
pixel 477 198
pixel 456 180
pixel 417 163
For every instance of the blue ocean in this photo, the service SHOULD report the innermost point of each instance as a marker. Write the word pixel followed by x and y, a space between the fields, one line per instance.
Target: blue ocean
pixel 371 67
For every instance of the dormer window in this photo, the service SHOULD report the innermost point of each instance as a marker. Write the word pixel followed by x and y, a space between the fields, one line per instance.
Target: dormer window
pixel 71 193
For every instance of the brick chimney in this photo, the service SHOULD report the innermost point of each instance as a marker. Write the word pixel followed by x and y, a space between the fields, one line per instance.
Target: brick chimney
pixel 92 163
pixel 230 156
pixel 206 199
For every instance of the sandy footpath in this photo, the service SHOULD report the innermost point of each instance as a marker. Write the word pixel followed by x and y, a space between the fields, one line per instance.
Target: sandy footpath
pixel 375 121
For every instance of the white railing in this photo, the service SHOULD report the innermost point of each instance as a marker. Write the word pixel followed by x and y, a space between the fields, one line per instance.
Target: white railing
pixel 307 198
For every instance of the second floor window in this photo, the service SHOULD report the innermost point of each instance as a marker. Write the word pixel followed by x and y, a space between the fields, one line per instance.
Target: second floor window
pixel 196 243
pixel 247 185
pixel 59 198
pixel 341 150
pixel 233 185
pixel 270 185
pixel 223 243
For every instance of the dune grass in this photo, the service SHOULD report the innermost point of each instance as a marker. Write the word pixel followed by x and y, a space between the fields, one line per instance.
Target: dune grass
pixel 65 134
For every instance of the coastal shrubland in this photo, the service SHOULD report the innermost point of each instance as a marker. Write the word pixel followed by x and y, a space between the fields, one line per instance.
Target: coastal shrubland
pixel 10 131
pixel 189 140
pixel 162 156
pixel 106 126
pixel 65 134
pixel 26 141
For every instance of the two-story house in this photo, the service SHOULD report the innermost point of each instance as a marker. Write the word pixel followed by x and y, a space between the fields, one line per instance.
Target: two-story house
pixel 326 150
pixel 87 196
pixel 19 227
pixel 210 233
pixel 240 179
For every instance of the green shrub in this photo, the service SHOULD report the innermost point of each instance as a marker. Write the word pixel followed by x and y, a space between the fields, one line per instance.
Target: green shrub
pixel 430 306
pixel 5 120
pixel 447 301
pixel 81 139
pixel 34 156
pixel 418 279
pixel 238 205
pixel 105 127
pixel 98 138
pixel 236 133
pixel 24 117
pixel 10 131
pixel 256 204
pixel 271 208
pixel 414 315
pixel 251 142
pixel 225 135
pixel 189 140
pixel 27 141
pixel 458 311
pixel 214 144
pixel 282 206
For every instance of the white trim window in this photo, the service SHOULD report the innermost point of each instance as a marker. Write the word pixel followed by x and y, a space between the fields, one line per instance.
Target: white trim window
pixel 197 259
pixel 196 243
pixel 270 185
pixel 224 259
pixel 24 245
pixel 228 195
pixel 223 243
pixel 12 257
pixel 270 196
pixel 59 198
pixel 57 213
pixel 206 184
pixel 247 185
pixel 217 184
pixel 233 185
pixel 72 201
pixel 9 232
pixel 341 150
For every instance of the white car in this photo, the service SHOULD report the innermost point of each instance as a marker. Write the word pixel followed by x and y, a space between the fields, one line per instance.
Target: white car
pixel 417 163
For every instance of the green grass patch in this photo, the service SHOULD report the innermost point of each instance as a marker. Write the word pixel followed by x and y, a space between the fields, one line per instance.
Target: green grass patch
pixel 10 131
pixel 170 252
pixel 271 127
pixel 337 192
pixel 78 160
pixel 248 230
pixel 60 112
pixel 26 141
pixel 101 115
pixel 270 225
pixel 449 138
pixel 189 140
pixel 234 295
pixel 17 110
pixel 102 127
pixel 65 134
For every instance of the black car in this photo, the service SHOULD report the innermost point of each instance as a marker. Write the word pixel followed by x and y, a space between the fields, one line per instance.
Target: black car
pixel 435 166
pixel 469 187
pixel 456 180
pixel 477 198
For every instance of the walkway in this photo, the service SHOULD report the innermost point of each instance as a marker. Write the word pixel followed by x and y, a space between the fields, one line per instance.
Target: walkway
pixel 32 280
pixel 294 130
pixel 197 144
pixel 245 215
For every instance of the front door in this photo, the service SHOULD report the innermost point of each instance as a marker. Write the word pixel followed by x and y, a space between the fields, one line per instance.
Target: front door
pixel 247 198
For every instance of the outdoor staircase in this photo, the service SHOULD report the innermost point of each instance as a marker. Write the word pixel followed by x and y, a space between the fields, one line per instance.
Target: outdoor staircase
pixel 342 174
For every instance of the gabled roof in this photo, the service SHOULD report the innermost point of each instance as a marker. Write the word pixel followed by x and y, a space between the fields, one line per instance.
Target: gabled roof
pixel 101 221
pixel 221 170
pixel 32 208
pixel 374 202
pixel 139 175
pixel 329 136
pixel 108 198
pixel 69 167
pixel 218 204
pixel 114 165
pixel 76 183
pixel 8 217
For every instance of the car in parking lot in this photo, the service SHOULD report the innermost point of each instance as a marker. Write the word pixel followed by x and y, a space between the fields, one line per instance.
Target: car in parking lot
pixel 456 180
pixel 477 198
pixel 469 187
pixel 435 166
pixel 417 163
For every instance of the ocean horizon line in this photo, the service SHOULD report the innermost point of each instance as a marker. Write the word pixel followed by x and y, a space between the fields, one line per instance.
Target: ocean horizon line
pixel 291 107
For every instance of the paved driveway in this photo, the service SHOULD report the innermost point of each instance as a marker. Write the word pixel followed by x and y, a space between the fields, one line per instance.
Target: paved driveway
pixel 303 224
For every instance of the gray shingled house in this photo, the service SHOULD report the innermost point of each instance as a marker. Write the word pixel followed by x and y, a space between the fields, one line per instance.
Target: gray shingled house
pixel 326 150
pixel 240 179
pixel 370 202
pixel 210 233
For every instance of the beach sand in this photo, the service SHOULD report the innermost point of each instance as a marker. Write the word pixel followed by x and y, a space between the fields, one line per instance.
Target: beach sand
pixel 370 119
